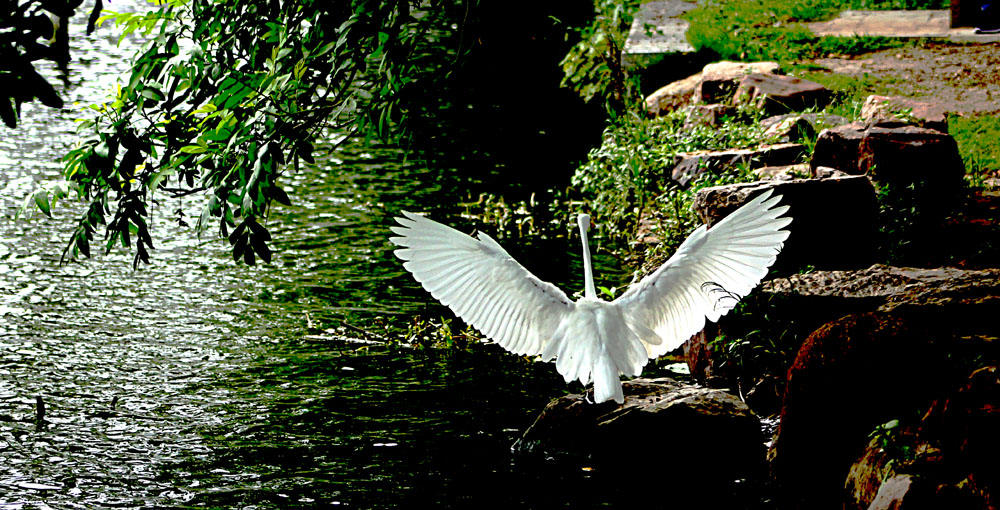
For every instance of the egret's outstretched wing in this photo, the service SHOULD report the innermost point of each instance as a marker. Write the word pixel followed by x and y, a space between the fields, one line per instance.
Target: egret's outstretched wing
pixel 481 283
pixel 711 271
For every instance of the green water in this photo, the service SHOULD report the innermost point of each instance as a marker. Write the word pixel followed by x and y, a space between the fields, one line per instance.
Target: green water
pixel 195 382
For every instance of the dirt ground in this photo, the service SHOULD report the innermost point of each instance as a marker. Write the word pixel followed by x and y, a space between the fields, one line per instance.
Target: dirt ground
pixel 962 78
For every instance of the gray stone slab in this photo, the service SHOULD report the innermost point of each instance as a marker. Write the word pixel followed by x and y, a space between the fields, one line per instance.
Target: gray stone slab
pixel 657 31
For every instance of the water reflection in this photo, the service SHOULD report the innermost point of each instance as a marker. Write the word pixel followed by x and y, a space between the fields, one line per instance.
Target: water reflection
pixel 193 381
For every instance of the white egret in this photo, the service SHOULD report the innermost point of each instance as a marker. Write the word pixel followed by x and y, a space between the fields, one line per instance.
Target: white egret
pixel 592 339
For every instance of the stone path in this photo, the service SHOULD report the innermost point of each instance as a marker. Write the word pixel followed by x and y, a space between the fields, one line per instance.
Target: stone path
pixel 934 23
pixel 658 31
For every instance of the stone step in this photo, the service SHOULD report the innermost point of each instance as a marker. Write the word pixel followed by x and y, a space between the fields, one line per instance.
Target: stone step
pixel 657 32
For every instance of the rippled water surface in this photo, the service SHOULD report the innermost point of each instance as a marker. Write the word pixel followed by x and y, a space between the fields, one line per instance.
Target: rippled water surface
pixel 197 382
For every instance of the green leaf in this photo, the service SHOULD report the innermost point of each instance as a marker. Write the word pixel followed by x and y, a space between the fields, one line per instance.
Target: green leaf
pixel 158 177
pixel 248 257
pixel 278 195
pixel 239 247
pixel 42 200
pixel 83 242
pixel 193 149
pixel 237 233
pixel 258 230
pixel 7 113
pixel 235 99
pixel 259 244
pixel 324 49
pixel 41 88
pixel 152 93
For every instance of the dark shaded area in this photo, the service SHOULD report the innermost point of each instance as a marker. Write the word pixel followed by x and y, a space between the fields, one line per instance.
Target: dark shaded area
pixel 501 110
pixel 850 376
pixel 672 68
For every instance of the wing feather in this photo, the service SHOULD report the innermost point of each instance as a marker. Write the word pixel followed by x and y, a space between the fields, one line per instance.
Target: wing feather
pixel 711 271
pixel 481 283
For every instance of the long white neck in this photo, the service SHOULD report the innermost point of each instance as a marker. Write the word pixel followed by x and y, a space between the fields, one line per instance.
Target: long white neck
pixel 588 271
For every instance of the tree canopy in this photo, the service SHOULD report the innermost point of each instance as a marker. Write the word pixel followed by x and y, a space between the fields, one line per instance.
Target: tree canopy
pixel 223 97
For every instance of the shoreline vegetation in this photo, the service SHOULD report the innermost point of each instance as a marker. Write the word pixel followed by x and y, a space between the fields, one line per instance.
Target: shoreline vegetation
pixel 621 183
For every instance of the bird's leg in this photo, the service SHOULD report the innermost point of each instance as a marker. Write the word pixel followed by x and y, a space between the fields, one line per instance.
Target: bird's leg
pixel 588 396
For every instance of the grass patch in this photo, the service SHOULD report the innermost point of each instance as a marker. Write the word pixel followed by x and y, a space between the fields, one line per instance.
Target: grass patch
pixel 976 136
pixel 850 92
pixel 750 30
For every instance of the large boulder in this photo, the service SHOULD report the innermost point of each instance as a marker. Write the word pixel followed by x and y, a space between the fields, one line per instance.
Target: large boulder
pixel 838 148
pixel 947 459
pixel 909 156
pixel 833 220
pixel 949 300
pixel 891 288
pixel 892 155
pixel 689 166
pixel 775 94
pixel 921 181
pixel 720 79
pixel 848 377
pixel 687 438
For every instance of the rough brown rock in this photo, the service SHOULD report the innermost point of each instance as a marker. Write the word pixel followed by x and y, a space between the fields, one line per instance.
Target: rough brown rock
pixel 906 155
pixel 720 79
pixel 701 360
pixel 848 377
pixel 790 129
pixel 688 166
pixel 963 301
pixel 944 460
pixel 838 148
pixel 672 96
pixel 775 94
pixel 866 476
pixel 833 220
pixel 900 110
pixel 889 287
pixel 894 156
pixel 680 433
pixel 782 173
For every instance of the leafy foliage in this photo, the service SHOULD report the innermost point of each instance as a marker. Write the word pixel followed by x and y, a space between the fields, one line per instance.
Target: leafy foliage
pixel 592 67
pixel 626 175
pixel 225 97
pixel 29 31
pixel 891 439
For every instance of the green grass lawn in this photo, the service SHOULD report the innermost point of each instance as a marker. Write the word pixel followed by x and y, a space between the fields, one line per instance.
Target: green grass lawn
pixel 751 30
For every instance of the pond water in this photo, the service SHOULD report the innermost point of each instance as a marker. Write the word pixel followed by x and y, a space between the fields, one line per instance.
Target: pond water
pixel 195 382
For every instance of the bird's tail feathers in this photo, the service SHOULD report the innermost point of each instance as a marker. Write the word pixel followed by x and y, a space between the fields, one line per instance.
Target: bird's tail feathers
pixel 607 385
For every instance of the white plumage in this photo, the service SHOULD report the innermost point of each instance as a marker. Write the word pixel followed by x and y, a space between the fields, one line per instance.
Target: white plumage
pixel 591 339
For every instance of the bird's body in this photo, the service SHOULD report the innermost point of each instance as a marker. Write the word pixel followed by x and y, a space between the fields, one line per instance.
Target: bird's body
pixel 592 339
